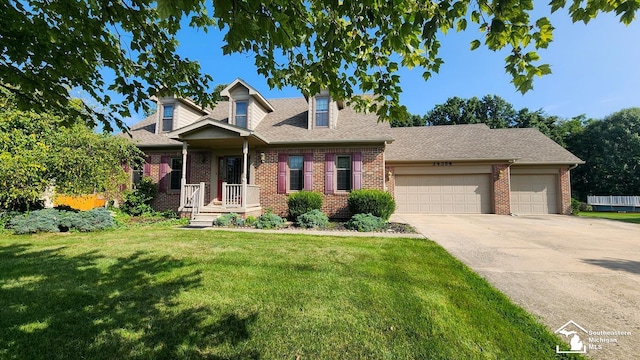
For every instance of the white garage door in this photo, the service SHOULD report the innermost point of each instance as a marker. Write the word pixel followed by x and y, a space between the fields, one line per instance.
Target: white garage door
pixel 443 194
pixel 534 194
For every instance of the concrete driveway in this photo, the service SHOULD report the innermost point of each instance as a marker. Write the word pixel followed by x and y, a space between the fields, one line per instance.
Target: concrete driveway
pixel 559 268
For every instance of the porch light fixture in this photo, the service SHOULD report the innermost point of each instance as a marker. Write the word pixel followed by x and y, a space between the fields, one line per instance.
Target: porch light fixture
pixel 263 157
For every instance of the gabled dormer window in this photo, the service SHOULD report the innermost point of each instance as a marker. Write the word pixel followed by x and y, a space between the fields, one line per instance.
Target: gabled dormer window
pixel 241 114
pixel 167 118
pixel 322 112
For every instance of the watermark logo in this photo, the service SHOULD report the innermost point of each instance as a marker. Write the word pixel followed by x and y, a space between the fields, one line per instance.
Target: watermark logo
pixel 573 332
pixel 581 339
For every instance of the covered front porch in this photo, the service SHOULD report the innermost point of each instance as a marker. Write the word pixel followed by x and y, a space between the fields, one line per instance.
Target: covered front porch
pixel 218 154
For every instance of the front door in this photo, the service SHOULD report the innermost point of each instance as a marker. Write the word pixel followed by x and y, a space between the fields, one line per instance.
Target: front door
pixel 230 171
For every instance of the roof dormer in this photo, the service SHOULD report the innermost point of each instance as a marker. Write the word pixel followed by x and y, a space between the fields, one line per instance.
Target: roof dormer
pixel 174 113
pixel 323 111
pixel 247 107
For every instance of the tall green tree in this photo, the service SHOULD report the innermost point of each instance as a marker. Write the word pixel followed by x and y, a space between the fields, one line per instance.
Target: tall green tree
pixel 497 113
pixel 491 110
pixel 37 152
pixel 611 149
pixel 348 47
pixel 409 120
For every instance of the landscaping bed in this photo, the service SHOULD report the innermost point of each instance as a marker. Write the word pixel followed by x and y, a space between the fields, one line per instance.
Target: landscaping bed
pixel 338 225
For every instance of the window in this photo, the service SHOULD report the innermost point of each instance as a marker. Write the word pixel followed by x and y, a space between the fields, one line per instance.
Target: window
pixel 176 174
pixel 167 118
pixel 241 114
pixel 296 172
pixel 343 169
pixel 322 112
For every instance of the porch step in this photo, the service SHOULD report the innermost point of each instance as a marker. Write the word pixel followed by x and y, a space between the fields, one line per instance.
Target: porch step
pixel 205 219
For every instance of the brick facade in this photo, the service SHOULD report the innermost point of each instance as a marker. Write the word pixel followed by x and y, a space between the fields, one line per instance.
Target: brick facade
pixel 375 175
pixel 334 205
pixel 199 168
pixel 501 189
pixel 169 200
pixel 565 190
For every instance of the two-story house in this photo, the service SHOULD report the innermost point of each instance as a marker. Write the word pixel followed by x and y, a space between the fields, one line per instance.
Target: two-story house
pixel 248 153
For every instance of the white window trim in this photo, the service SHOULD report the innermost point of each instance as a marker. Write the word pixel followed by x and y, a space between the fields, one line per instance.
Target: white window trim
pixel 289 190
pixel 335 173
pixel 315 112
pixel 235 110
pixel 163 118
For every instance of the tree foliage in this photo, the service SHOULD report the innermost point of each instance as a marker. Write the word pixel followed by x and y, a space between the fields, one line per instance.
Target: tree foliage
pixel 611 149
pixel 36 152
pixel 347 47
pixel 497 113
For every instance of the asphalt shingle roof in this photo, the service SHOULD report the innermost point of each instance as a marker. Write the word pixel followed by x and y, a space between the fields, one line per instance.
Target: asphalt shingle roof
pixel 288 125
pixel 475 142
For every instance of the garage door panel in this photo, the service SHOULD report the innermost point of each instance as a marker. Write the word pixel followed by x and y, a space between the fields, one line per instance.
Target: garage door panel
pixel 443 194
pixel 534 194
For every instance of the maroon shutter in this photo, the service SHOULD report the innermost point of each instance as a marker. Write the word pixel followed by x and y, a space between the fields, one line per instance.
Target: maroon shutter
pixel 356 160
pixel 164 174
pixel 308 171
pixel 146 170
pixel 188 169
pixel 282 173
pixel 329 165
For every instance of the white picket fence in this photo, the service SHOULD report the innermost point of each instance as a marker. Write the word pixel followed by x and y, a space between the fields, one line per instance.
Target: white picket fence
pixel 633 201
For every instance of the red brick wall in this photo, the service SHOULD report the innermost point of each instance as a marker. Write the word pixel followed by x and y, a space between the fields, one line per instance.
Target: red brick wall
pixel 565 191
pixel 200 167
pixel 334 205
pixel 200 171
pixel 501 191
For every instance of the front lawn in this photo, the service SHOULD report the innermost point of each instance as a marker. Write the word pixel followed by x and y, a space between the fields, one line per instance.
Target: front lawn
pixel 162 293
pixel 633 218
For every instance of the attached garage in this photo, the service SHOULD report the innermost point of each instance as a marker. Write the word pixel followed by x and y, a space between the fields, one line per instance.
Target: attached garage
pixel 534 193
pixel 466 169
pixel 443 194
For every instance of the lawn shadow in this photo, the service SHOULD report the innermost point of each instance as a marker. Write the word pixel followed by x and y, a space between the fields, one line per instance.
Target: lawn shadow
pixel 629 266
pixel 88 306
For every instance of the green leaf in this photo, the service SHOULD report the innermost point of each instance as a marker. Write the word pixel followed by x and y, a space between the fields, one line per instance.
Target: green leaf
pixel 461 25
pixel 497 25
pixel 475 16
pixel 475 44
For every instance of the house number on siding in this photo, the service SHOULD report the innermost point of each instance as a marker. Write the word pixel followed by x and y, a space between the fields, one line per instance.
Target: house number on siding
pixel 445 163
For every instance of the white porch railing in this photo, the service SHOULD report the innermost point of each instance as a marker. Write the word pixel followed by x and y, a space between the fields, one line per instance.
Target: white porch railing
pixel 192 197
pixel 232 195
pixel 614 200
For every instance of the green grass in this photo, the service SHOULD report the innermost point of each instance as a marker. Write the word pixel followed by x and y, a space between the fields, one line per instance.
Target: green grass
pixel 633 218
pixel 162 293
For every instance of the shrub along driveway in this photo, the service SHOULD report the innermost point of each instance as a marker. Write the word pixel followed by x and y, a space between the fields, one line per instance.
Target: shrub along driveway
pixel 560 268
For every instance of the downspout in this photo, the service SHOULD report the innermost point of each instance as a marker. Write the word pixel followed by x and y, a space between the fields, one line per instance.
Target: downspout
pixel 183 179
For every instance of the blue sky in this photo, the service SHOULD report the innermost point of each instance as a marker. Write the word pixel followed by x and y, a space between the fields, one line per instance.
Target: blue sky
pixel 596 70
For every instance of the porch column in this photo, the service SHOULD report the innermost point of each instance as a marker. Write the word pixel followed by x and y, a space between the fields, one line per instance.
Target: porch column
pixel 245 151
pixel 183 180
